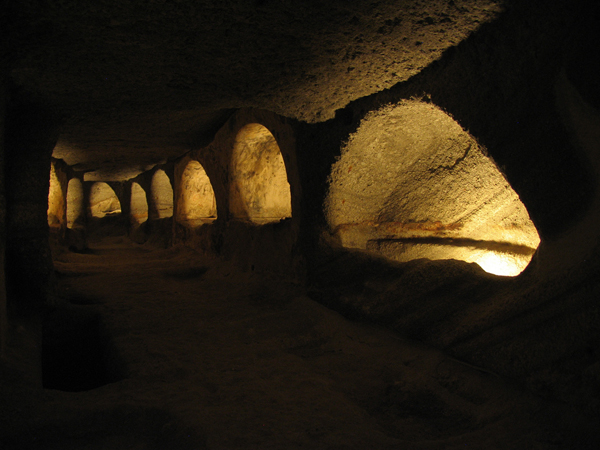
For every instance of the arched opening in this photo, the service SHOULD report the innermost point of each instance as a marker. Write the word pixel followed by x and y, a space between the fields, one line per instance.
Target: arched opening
pixel 161 193
pixel 259 189
pixel 411 183
pixel 56 198
pixel 196 203
pixel 103 201
pixel 138 205
pixel 74 202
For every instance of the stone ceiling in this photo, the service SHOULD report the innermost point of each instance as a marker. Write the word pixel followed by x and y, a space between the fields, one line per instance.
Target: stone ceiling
pixel 141 82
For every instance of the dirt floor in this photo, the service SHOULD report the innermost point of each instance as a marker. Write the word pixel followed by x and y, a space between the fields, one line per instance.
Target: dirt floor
pixel 196 355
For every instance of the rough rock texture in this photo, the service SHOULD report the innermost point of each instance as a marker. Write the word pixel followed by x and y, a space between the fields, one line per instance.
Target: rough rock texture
pixel 103 200
pixel 138 205
pixel 163 86
pixel 75 203
pixel 195 195
pixel 259 190
pixel 161 196
pixel 134 80
pixel 411 183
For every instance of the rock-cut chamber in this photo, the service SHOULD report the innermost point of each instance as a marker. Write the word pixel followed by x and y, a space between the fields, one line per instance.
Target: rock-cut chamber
pixel 411 184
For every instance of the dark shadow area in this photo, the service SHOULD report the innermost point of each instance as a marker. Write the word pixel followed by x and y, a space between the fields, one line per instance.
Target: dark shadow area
pixel 77 352
pixel 120 427
pixel 186 274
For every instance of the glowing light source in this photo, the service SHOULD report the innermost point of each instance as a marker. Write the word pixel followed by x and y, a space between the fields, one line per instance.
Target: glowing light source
pixel 502 264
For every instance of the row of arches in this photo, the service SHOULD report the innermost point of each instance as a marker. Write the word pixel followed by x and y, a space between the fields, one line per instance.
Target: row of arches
pixel 259 190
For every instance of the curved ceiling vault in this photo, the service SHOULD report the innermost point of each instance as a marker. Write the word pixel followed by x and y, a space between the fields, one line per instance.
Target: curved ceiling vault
pixel 139 85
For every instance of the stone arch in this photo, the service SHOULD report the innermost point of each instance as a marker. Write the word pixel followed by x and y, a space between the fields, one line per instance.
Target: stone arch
pixel 75 202
pixel 259 190
pixel 411 183
pixel 161 194
pixel 196 202
pixel 138 211
pixel 103 200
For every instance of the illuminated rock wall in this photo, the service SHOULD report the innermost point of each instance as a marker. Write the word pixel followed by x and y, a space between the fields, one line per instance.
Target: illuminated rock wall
pixel 138 205
pixel 259 189
pixel 103 201
pixel 412 184
pixel 75 203
pixel 196 202
pixel 161 196
pixel 236 196
pixel 57 196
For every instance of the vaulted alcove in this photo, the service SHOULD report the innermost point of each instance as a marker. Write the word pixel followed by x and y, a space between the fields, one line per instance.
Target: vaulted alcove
pixel 103 201
pixel 259 189
pixel 412 184
pixel 196 202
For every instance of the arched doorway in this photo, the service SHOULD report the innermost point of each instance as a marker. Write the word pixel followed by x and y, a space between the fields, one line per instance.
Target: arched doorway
pixel 196 202
pixel 103 201
pixel 259 187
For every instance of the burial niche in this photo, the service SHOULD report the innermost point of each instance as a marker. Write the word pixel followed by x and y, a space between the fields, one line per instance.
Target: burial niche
pixel 139 205
pixel 411 183
pixel 103 200
pixel 259 187
pixel 161 193
pixel 196 203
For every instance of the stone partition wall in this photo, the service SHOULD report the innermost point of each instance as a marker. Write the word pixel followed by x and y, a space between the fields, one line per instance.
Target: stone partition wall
pixel 57 198
pixel 138 210
pixel 161 197
pixel 76 204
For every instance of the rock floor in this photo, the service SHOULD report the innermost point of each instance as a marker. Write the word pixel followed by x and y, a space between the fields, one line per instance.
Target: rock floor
pixel 197 355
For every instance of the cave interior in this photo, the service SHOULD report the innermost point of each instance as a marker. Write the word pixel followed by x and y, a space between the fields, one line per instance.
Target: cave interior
pixel 271 224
